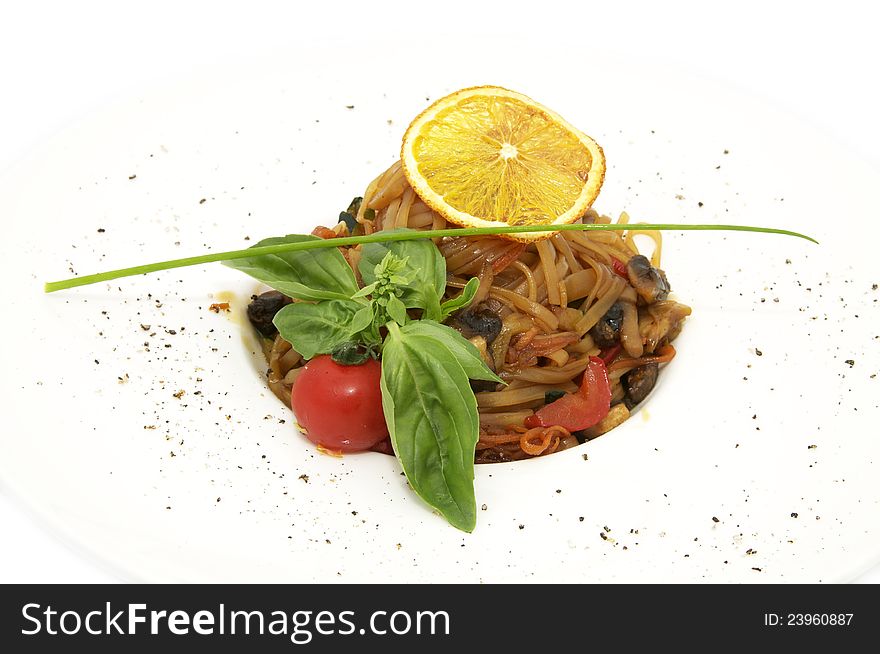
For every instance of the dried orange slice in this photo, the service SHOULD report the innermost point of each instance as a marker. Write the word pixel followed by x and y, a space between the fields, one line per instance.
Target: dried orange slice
pixel 487 156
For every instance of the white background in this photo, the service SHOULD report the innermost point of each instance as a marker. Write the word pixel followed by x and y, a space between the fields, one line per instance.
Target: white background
pixel 61 60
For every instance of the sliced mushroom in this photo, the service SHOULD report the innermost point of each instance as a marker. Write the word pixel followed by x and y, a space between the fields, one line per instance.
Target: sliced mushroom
pixel 606 332
pixel 262 309
pixel 639 382
pixel 480 320
pixel 483 386
pixel 661 322
pixel 650 282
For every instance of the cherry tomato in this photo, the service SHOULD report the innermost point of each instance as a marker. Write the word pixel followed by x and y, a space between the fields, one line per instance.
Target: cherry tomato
pixel 580 410
pixel 340 407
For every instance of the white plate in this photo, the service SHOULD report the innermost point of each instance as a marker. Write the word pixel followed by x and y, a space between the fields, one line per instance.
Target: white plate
pixel 215 485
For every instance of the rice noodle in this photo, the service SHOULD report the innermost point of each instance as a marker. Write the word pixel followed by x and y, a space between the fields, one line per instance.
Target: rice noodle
pixel 548 262
pixel 530 279
pixel 527 306
pixel 507 398
pixel 629 330
pixel 600 308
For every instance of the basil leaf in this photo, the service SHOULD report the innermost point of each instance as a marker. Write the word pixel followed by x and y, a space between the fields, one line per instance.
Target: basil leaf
pixel 311 275
pixel 464 299
pixel 362 319
pixel 457 347
pixel 431 413
pixel 365 291
pixel 316 328
pixel 431 304
pixel 425 269
pixel 396 310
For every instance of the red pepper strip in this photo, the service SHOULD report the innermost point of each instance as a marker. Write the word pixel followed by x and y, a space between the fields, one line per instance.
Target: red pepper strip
pixel 664 355
pixel 324 232
pixel 576 411
pixel 619 267
pixel 608 355
pixel 507 257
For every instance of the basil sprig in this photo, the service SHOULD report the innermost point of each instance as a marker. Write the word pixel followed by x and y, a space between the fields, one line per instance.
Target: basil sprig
pixel 424 270
pixel 429 407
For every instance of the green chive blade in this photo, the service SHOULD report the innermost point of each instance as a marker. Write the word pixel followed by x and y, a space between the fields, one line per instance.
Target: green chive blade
pixel 380 237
